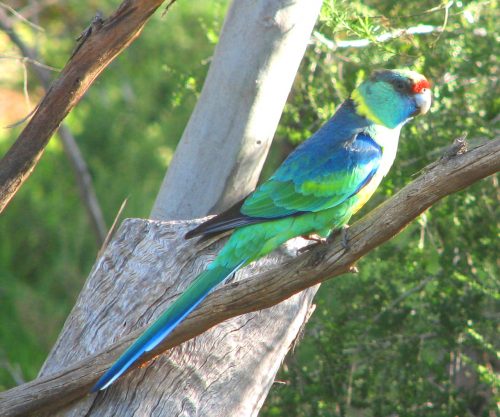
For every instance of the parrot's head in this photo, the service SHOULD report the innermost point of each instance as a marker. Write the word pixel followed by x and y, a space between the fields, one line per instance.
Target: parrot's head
pixel 392 97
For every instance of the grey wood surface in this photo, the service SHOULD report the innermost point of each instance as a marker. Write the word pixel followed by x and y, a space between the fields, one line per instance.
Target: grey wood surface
pixel 226 371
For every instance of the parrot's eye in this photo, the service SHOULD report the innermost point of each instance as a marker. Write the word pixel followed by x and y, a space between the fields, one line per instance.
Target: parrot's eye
pixel 400 85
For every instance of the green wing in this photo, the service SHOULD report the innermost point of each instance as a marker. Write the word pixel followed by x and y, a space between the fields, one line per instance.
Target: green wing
pixel 314 177
pixel 311 184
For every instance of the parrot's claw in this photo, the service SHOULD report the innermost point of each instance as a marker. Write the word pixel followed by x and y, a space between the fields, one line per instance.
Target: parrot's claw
pixel 344 235
pixel 317 239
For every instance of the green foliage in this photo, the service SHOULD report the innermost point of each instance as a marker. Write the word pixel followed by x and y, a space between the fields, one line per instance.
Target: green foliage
pixel 413 334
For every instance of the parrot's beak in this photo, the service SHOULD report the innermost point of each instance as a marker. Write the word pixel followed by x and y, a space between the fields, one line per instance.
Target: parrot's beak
pixel 423 101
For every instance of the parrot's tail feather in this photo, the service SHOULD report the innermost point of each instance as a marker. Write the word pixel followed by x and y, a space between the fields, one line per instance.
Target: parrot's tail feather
pixel 167 322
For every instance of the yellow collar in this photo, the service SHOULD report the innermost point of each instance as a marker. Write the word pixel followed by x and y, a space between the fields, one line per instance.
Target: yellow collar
pixel 363 109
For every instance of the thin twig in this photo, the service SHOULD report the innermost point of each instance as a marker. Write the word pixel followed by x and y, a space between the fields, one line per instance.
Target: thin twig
pixel 384 37
pixel 167 7
pixel 408 16
pixel 33 8
pixel 21 17
pixel 403 296
pixel 25 86
pixel 29 60
pixel 112 229
pixel 445 22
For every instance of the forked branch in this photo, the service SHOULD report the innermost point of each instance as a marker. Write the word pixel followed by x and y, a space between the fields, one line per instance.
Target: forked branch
pixel 442 178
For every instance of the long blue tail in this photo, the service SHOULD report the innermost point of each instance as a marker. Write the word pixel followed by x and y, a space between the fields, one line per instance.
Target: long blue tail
pixel 167 322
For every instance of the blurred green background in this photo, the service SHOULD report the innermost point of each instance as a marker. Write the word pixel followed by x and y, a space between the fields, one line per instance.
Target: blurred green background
pixel 413 334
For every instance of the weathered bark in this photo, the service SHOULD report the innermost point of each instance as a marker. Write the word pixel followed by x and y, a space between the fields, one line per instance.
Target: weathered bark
pixel 130 285
pixel 225 143
pixel 147 266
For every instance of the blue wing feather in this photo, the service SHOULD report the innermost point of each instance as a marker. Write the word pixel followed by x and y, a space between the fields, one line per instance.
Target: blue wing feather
pixel 334 164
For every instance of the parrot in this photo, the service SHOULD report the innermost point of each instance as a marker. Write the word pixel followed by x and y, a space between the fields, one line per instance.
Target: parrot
pixel 314 192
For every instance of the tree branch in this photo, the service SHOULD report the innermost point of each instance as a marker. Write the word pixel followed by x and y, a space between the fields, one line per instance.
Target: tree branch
pixel 445 177
pixel 384 37
pixel 82 174
pixel 101 43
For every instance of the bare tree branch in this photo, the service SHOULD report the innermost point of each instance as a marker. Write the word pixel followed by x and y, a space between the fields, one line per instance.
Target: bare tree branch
pixel 82 174
pixel 20 17
pixel 449 175
pixel 384 37
pixel 98 47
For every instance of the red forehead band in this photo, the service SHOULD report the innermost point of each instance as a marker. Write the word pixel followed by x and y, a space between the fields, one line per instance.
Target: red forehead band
pixel 420 85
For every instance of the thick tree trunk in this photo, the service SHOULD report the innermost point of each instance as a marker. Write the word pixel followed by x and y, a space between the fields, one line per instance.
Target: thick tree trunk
pixel 228 370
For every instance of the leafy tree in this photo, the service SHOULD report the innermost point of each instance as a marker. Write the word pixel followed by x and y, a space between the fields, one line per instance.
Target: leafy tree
pixel 414 332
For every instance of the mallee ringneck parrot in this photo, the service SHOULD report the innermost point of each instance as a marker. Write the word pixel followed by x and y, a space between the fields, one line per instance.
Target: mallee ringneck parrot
pixel 316 190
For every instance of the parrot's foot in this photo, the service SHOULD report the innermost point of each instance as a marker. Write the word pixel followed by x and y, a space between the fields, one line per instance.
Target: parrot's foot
pixel 315 238
pixel 344 236
pixel 318 240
